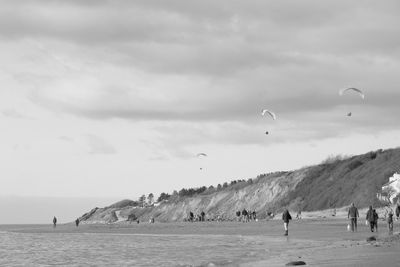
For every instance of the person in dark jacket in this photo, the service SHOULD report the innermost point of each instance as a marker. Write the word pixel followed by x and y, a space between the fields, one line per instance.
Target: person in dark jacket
pixel 238 213
pixel 376 217
pixel 191 216
pixel 203 216
pixel 353 215
pixel 244 214
pixel 286 217
pixel 371 218
pixel 54 222
pixel 390 222
pixel 254 215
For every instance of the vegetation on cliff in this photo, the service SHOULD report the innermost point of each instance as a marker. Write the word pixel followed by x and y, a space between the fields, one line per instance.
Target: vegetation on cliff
pixel 336 182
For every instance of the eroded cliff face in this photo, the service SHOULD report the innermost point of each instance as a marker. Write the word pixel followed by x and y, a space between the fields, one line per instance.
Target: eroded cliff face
pixel 263 194
pixel 259 196
pixel 334 183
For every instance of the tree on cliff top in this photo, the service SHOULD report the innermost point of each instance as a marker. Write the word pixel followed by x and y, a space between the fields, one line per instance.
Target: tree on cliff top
pixel 150 198
pixel 163 196
pixel 142 200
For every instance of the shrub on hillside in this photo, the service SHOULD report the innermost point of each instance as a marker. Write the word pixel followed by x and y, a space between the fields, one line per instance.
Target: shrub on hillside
pixel 210 189
pixel 354 164
pixel 124 203
pixel 334 159
pixel 373 155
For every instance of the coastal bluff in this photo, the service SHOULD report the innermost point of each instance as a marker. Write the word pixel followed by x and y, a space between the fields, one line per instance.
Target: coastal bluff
pixel 334 183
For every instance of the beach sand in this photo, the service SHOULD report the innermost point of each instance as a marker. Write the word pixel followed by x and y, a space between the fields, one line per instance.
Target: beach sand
pixel 316 241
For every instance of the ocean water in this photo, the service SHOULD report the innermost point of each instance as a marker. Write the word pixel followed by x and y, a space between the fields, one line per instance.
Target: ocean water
pixel 124 249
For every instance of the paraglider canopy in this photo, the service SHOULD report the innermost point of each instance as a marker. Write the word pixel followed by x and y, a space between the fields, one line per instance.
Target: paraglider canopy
pixel 358 91
pixel 270 113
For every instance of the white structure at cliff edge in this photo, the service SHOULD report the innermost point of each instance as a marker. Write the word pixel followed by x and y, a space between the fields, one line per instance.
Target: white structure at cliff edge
pixel 393 186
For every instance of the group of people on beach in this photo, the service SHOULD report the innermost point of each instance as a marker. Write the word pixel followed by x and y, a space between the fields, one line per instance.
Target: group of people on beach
pixel 371 218
pixel 196 218
pixel 353 215
pixel 246 215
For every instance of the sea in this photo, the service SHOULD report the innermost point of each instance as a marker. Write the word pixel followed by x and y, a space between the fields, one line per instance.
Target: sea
pixel 19 248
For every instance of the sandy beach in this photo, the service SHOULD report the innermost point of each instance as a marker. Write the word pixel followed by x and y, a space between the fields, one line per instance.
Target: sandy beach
pixel 318 241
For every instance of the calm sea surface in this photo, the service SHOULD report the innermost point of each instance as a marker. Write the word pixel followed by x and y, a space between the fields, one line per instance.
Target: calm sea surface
pixel 124 249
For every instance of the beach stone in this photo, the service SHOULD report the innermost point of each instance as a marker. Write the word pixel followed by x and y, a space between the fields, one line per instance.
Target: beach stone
pixel 371 238
pixel 295 263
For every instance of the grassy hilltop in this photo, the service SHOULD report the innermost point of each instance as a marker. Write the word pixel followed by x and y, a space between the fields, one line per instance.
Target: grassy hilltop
pixel 336 182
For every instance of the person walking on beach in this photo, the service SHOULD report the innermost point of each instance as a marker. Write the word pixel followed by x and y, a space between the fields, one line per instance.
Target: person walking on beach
pixel 353 215
pixel 390 222
pixel 371 218
pixel 398 211
pixel 191 216
pixel 77 222
pixel 254 215
pixel 244 214
pixel 286 217
pixel 54 222
pixel 298 215
pixel 203 216
pixel 376 217
pixel 238 213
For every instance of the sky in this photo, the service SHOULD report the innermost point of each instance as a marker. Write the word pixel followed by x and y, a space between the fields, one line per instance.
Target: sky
pixel 114 99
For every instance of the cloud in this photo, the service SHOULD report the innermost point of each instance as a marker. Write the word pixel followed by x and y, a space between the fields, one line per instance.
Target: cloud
pixel 66 139
pixel 12 113
pixel 222 39
pixel 97 145
pixel 156 82
pixel 215 64
pixel 21 147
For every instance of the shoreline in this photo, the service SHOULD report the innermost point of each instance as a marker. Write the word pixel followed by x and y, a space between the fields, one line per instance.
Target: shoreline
pixel 318 242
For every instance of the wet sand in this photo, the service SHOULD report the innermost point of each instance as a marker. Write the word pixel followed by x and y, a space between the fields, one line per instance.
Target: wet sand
pixel 318 242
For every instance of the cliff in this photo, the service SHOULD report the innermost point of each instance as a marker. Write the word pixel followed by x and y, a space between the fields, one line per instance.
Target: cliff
pixel 334 183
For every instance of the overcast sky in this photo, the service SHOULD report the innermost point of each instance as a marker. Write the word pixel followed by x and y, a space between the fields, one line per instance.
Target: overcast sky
pixel 115 98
